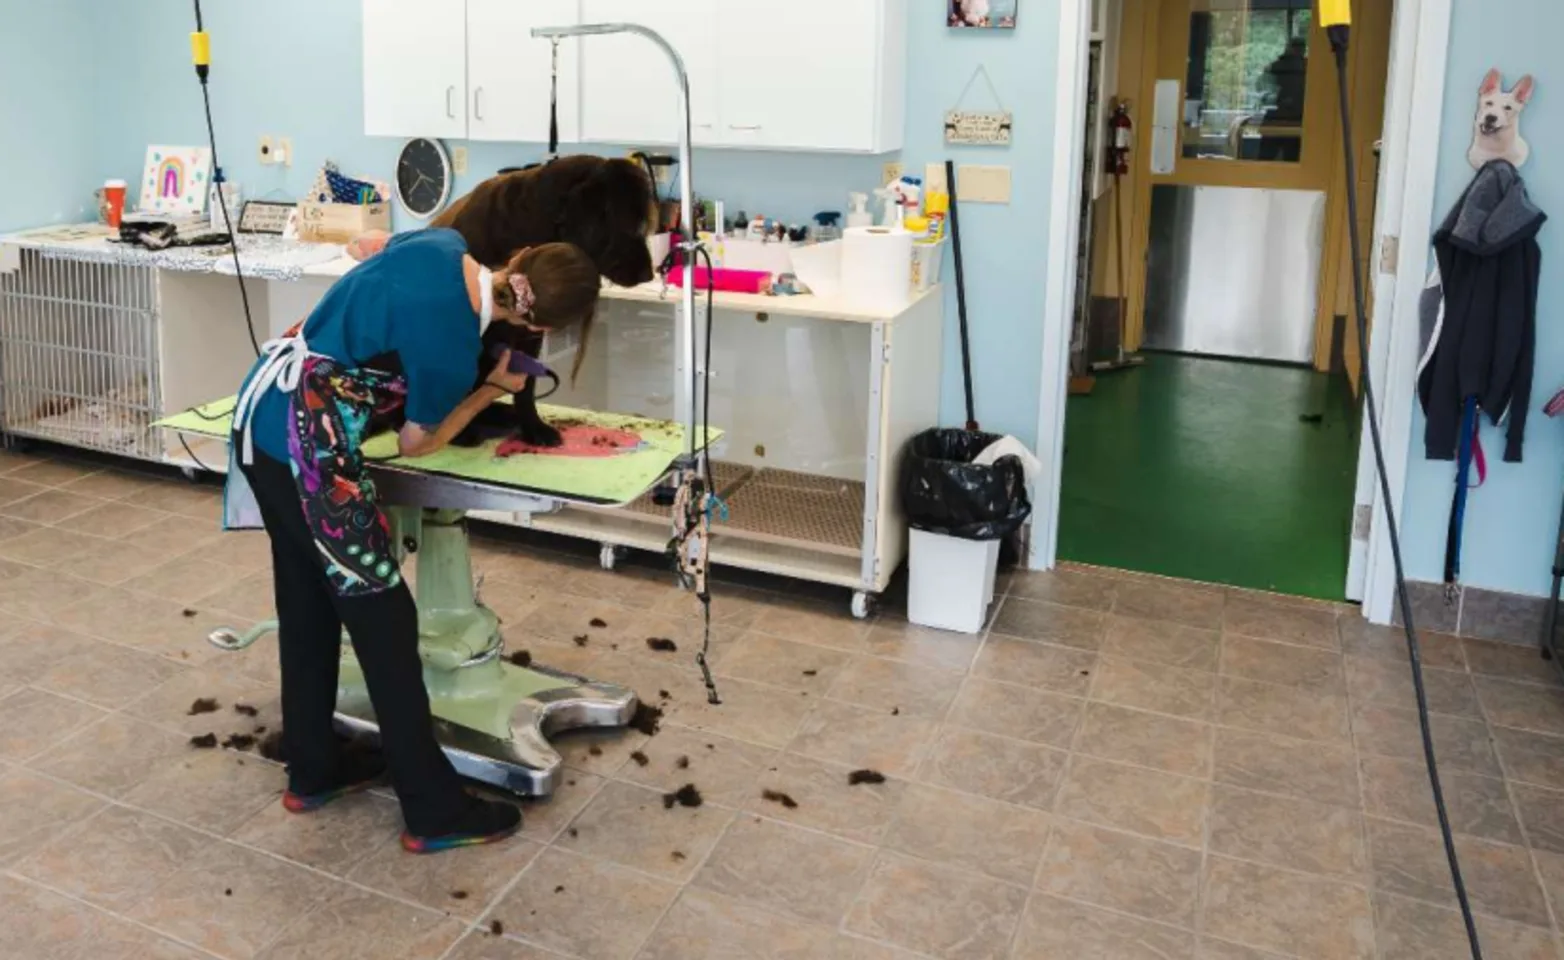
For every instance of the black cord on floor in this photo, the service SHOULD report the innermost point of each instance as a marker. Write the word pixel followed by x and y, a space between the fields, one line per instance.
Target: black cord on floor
pixel 222 202
pixel 1339 42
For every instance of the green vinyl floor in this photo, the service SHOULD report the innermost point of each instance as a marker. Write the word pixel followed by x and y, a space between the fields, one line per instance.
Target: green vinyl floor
pixel 1202 469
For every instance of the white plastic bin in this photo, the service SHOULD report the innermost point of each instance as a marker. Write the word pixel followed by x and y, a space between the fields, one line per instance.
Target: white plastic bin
pixel 950 581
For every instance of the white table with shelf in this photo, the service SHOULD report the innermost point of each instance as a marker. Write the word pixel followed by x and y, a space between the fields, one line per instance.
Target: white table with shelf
pixel 818 397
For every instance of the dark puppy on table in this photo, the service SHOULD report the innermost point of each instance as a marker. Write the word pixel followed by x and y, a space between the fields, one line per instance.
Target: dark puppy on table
pixel 604 206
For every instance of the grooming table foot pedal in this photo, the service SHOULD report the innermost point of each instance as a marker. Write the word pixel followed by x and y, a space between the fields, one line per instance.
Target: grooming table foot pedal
pixel 492 718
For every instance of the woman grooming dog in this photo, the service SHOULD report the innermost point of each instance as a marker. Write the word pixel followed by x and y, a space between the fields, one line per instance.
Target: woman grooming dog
pixel 400 333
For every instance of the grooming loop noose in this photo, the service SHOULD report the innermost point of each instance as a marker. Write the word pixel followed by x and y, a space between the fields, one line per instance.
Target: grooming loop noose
pixel 693 506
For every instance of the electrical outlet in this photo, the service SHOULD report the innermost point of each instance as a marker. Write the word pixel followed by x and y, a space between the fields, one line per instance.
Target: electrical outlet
pixel 976 184
pixel 285 151
pixel 265 150
pixel 891 172
pixel 458 160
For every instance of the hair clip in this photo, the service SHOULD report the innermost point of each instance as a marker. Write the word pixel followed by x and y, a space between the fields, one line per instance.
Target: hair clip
pixel 525 298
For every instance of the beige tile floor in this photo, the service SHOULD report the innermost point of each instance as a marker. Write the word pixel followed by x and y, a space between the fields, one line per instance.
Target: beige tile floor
pixel 1120 768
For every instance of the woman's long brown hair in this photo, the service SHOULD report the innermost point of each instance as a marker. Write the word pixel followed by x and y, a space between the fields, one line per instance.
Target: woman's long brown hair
pixel 565 287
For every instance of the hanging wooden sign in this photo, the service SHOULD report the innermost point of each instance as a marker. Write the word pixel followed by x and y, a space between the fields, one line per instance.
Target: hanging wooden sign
pixel 981 128
pixel 978 128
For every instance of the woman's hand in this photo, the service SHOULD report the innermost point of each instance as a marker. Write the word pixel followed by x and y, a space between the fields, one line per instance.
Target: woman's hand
pixel 502 377
pixel 366 245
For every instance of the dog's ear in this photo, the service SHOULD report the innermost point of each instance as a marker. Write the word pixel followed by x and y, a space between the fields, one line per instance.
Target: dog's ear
pixel 1490 83
pixel 1524 89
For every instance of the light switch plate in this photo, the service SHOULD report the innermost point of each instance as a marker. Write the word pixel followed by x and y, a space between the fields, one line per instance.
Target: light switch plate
pixel 975 184
pixel 285 151
pixel 890 173
pixel 934 179
pixel 264 152
pixel 458 160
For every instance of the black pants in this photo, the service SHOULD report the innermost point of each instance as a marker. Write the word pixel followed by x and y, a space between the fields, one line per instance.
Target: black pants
pixel 384 630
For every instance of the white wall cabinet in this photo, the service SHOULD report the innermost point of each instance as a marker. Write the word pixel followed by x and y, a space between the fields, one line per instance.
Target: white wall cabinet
pixel 508 71
pixel 765 74
pixel 818 75
pixel 467 69
pixel 415 68
pixel 628 90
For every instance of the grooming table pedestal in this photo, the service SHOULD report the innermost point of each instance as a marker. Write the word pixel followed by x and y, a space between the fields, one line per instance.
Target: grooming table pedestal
pixel 492 718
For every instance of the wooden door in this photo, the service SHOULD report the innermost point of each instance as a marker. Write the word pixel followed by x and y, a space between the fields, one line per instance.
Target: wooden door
pixel 1241 96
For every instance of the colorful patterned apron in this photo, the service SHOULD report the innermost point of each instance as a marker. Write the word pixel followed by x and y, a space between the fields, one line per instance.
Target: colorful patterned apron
pixel 329 407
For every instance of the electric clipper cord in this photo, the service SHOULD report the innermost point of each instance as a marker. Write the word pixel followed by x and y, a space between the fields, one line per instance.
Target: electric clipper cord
pixel 201 57
pixel 1336 18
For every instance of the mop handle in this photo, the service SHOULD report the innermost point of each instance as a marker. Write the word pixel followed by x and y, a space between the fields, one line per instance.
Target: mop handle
pixel 961 293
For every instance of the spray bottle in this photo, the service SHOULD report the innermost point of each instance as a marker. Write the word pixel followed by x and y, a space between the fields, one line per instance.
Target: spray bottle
pixel 859 215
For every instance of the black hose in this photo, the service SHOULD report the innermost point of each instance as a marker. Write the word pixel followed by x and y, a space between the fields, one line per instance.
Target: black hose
pixel 1339 39
pixel 222 202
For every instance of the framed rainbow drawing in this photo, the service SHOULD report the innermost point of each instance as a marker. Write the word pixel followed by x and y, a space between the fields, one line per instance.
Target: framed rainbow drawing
pixel 174 180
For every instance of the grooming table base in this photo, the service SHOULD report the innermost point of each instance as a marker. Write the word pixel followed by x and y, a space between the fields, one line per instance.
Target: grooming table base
pixel 493 719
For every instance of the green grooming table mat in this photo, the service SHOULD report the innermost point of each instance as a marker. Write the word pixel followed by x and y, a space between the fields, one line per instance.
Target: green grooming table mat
pixel 600 481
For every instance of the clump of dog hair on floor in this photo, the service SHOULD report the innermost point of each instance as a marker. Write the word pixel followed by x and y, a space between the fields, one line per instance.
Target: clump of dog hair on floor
pixel 574 832
pixel 811 673
pixel 662 645
pixel 677 856
pixel 458 894
pixel 244 709
pixel 581 639
pixel 239 741
pixel 865 776
pixel 896 711
pixel 202 705
pixel 685 796
pixel 647 720
pixel 664 695
pixel 777 796
pixel 205 741
pixel 496 928
pixel 521 658
pixel 188 612
pixel 640 758
pixel 595 750
pixel 560 888
pixel 597 623
pixel 683 763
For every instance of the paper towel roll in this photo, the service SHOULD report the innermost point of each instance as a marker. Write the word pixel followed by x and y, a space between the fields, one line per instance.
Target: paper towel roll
pixel 876 267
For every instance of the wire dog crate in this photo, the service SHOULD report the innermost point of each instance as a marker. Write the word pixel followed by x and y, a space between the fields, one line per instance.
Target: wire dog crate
pixel 79 354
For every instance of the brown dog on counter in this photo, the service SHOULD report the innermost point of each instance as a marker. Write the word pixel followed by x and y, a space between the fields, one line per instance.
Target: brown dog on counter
pixel 604 206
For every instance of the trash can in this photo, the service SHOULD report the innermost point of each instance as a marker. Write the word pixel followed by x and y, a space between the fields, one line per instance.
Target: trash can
pixel 959 512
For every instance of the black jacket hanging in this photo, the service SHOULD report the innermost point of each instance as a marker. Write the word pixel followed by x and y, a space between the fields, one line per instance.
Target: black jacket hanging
pixel 1481 328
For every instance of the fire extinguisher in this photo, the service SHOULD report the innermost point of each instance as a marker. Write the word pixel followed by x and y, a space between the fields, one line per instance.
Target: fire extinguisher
pixel 1121 132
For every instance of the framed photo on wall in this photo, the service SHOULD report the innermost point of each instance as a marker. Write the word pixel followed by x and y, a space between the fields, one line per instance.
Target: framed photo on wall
pixel 981 14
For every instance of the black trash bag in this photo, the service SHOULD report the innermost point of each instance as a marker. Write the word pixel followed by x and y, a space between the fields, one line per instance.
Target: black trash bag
pixel 943 491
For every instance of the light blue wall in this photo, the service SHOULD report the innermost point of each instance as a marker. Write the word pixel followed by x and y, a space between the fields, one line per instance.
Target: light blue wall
pixel 46 112
pixel 307 84
pixel 1512 521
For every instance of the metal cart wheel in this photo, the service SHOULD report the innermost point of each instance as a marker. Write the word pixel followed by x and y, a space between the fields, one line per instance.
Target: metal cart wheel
pixel 191 474
pixel 864 604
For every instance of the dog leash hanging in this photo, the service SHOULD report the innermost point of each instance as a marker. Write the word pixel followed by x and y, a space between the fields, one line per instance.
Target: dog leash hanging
pixel 693 506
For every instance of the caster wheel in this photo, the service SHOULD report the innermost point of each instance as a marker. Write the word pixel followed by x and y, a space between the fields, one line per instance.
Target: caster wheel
pixel 608 556
pixel 190 474
pixel 864 605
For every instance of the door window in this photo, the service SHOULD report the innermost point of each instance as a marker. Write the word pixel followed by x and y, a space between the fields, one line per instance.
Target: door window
pixel 1244 92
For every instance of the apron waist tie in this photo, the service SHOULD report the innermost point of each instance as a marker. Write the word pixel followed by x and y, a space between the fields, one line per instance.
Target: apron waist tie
pixel 283 368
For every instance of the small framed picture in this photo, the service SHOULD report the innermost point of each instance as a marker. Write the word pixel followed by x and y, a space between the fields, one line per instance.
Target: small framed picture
pixel 981 14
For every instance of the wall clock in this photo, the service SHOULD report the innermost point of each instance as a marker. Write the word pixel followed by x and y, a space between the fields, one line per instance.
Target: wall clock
pixel 423 177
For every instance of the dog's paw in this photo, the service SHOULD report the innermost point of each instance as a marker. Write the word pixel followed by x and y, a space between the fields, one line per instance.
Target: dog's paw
pixel 539 434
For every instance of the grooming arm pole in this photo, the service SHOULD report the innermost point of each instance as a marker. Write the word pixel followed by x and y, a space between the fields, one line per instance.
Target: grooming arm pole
pixel 686 200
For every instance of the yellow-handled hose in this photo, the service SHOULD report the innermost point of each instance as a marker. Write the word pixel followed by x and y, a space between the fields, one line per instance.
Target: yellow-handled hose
pixel 1336 18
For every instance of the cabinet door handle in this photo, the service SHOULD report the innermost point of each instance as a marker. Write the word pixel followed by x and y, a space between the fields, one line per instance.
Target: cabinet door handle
pixel 450 102
pixel 477 104
pixel 744 126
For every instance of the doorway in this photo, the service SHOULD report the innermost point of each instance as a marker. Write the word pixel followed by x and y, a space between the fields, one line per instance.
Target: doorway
pixel 1229 454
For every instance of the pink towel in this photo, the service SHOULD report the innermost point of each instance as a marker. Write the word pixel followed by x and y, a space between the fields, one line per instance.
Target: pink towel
pixel 579 441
